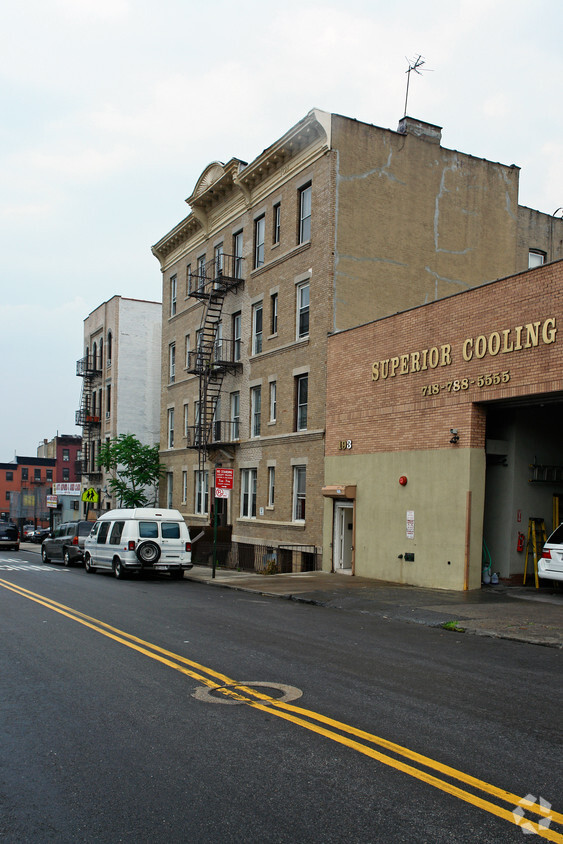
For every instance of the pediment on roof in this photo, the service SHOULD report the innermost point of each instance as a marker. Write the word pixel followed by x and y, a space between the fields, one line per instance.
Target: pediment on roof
pixel 212 173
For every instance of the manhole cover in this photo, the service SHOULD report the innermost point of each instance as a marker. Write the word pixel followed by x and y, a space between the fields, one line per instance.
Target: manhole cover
pixel 280 693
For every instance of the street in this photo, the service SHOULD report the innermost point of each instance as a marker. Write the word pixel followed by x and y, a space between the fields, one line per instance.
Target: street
pixel 152 710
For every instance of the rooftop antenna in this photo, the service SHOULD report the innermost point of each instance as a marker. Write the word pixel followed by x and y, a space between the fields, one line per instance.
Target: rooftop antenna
pixel 414 64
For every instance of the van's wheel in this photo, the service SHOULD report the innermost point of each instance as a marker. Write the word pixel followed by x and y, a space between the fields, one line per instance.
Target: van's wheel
pixel 89 568
pixel 66 559
pixel 118 569
pixel 148 552
pixel 44 555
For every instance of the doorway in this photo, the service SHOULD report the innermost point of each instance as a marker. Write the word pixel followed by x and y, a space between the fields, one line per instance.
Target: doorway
pixel 343 540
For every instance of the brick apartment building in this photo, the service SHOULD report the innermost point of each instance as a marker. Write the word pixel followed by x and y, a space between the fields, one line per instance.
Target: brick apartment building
pixel 120 372
pixel 335 224
pixel 24 484
pixel 444 432
pixel 66 449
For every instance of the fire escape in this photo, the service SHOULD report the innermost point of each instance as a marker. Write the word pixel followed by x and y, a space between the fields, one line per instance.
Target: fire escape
pixel 213 356
pixel 89 416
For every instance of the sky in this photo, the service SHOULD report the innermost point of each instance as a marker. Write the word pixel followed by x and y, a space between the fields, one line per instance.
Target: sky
pixel 111 110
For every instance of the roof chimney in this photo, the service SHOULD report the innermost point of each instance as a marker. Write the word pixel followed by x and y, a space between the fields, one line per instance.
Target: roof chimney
pixel 425 131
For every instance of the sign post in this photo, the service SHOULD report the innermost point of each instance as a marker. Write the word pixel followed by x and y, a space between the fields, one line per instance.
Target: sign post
pixel 223 483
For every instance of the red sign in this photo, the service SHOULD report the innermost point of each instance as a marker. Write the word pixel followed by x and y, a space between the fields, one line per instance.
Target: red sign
pixel 224 478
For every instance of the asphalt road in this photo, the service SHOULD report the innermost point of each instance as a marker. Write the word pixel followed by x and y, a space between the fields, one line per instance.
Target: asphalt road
pixel 129 714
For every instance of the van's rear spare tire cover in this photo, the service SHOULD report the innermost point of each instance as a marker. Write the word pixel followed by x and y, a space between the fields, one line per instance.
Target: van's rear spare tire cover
pixel 148 552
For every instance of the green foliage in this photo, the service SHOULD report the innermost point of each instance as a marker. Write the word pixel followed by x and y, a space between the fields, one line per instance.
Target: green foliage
pixel 136 470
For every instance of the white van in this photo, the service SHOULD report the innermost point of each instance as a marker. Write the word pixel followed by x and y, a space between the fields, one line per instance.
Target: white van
pixel 139 539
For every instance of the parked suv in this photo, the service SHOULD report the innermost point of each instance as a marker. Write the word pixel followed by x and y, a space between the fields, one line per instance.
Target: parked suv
pixel 66 543
pixel 9 536
pixel 139 539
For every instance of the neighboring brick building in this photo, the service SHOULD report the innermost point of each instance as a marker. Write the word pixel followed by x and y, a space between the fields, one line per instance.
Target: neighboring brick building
pixel 66 449
pixel 336 223
pixel 444 430
pixel 120 374
pixel 24 484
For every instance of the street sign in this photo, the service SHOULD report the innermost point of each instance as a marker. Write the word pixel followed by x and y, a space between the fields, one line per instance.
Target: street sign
pixel 51 500
pixel 221 493
pixel 223 479
pixel 90 495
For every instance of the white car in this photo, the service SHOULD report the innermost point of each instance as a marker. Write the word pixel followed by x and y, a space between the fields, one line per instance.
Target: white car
pixel 550 564
pixel 139 539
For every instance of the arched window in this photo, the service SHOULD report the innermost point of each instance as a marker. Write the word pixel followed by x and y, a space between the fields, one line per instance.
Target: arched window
pixel 94 356
pixel 108 350
pixel 101 352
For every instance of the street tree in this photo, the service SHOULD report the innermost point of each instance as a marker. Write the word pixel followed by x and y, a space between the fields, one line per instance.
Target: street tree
pixel 136 470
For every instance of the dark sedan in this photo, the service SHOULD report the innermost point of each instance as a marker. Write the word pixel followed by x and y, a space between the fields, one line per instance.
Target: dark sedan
pixel 9 536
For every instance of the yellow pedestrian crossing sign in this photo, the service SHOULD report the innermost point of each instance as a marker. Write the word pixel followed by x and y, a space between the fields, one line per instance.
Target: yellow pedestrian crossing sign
pixel 90 495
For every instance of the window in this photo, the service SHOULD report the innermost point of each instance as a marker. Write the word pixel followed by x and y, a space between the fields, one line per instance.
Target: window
pixel 299 485
pixel 237 252
pixel 66 473
pixel 218 344
pixel 218 256
pixel 273 400
pixel 170 530
pixel 302 388
pixel 169 494
pixel 237 340
pixel 149 530
pixel 235 416
pixel 257 313
pixel 25 474
pixel 116 531
pixel 7 495
pixel 110 347
pixel 277 222
pixel 101 352
pixel 305 214
pixel 259 229
pixel 186 431
pixel 37 475
pixel 49 473
pixel 102 533
pixel 256 407
pixel 201 272
pixel 9 476
pixel 172 362
pixel 66 455
pixel 535 258
pixel 170 427
pixel 201 492
pixel 108 401
pixel 187 347
pixel 188 279
pixel 274 313
pixel 302 310
pixel 184 487
pixel 217 420
pixel 271 485
pixel 248 493
pixel 173 290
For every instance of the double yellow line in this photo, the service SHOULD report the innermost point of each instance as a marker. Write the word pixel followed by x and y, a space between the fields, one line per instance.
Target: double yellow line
pixel 365 743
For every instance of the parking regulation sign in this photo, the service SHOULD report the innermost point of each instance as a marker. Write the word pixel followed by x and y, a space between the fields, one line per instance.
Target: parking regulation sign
pixel 223 480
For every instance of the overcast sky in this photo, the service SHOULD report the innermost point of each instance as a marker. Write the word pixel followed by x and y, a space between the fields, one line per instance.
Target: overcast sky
pixel 111 109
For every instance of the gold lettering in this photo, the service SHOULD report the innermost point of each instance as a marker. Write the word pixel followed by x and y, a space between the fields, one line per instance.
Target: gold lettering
pixel 415 361
pixel 434 357
pixel 518 345
pixel 548 335
pixel 505 347
pixel 468 349
pixel 393 368
pixel 424 356
pixel 532 334
pixel 375 371
pixel 446 355
pixel 494 343
pixel 404 365
pixel 384 368
pixel 480 346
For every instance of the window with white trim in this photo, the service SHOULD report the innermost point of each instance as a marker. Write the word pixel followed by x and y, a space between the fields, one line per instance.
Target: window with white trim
pixel 273 400
pixel 173 291
pixel 186 420
pixel 301 401
pixel 187 351
pixel 237 336
pixel 169 489
pixel 535 258
pixel 277 223
pixel 259 232
pixel 255 411
pixel 188 279
pixel 305 195
pixel 299 489
pixel 170 427
pixel 271 485
pixel 248 493
pixel 257 327
pixel 274 313
pixel 201 272
pixel 201 492
pixel 235 416
pixel 303 309
pixel 184 487
pixel 237 252
pixel 172 363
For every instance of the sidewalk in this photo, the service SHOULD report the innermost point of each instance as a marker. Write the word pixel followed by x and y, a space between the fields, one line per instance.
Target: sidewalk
pixel 521 613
